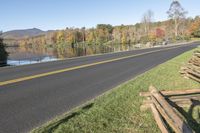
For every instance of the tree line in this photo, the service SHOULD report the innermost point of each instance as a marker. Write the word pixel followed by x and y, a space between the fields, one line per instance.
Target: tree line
pixel 178 27
pixel 3 53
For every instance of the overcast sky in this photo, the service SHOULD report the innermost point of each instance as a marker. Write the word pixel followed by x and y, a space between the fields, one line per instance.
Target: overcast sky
pixel 59 14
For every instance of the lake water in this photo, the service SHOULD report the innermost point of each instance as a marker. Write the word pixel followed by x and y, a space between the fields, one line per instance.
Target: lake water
pixel 30 55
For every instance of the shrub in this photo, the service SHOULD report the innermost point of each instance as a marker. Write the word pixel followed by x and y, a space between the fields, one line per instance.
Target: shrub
pixel 3 53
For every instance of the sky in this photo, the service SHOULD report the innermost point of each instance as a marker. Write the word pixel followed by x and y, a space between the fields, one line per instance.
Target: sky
pixel 59 14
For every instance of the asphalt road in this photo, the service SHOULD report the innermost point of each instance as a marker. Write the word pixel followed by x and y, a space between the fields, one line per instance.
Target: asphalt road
pixel 30 103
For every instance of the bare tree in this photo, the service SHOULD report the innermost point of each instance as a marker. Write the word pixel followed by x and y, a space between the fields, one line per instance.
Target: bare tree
pixel 147 19
pixel 177 13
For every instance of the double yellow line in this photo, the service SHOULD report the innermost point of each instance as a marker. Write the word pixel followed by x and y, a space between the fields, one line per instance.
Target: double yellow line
pixel 77 67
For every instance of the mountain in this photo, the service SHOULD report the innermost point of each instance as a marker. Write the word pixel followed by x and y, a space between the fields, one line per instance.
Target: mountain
pixel 20 34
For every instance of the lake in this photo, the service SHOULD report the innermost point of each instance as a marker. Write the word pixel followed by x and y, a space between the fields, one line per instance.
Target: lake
pixel 30 55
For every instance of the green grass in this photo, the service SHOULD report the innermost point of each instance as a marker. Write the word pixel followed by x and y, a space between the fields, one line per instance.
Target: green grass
pixel 118 111
pixel 195 39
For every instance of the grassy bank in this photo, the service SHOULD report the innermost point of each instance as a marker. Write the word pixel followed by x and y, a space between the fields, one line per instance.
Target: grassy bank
pixel 119 109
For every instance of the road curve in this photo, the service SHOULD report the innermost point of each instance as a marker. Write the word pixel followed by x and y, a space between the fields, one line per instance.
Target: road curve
pixel 28 103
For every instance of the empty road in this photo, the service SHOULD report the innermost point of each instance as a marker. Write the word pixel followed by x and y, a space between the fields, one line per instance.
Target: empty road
pixel 31 95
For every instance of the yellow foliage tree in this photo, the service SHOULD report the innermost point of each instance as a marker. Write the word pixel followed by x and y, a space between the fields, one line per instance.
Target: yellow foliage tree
pixel 60 37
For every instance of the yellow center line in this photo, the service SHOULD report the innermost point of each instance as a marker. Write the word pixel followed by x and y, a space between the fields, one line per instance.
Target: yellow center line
pixel 77 67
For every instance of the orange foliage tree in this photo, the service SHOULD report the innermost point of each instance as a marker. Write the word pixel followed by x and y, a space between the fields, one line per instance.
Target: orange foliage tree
pixel 160 33
pixel 194 29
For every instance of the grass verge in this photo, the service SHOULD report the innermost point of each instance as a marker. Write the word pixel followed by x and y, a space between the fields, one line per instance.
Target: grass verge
pixel 119 109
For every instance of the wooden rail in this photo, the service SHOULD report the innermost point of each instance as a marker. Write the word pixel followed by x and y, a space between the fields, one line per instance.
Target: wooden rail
pixel 161 105
pixel 192 69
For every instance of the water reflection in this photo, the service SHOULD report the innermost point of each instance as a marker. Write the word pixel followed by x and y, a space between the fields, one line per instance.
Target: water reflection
pixel 29 55
pixel 29 61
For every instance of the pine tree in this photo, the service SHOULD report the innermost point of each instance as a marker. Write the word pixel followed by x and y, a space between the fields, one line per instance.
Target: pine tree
pixel 3 53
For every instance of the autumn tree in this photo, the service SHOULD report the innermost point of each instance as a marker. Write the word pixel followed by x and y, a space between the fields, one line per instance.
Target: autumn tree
pixel 160 33
pixel 152 38
pixel 60 37
pixel 177 13
pixel 105 27
pixel 169 29
pixel 138 31
pixel 90 36
pixel 50 38
pixel 117 35
pixel 124 38
pixel 104 33
pixel 195 28
pixel 131 34
pixel 79 35
pixel 83 32
pixel 3 53
pixel 70 37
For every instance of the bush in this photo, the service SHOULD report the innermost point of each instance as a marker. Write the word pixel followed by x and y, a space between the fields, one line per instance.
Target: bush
pixel 3 53
pixel 179 38
pixel 144 39
pixel 187 38
pixel 196 33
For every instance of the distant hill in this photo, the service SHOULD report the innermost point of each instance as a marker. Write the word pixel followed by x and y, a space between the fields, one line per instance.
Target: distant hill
pixel 20 34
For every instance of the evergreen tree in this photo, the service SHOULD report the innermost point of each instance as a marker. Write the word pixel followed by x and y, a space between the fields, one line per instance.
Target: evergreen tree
pixel 3 53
